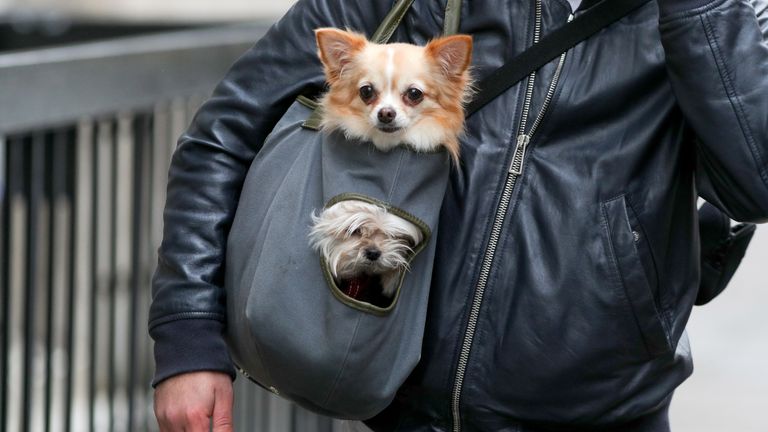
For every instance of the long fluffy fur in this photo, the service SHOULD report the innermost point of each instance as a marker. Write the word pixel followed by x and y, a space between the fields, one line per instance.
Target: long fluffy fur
pixel 332 235
pixel 441 67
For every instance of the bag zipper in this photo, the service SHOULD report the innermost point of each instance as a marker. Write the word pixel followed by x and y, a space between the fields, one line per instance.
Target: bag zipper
pixel 513 173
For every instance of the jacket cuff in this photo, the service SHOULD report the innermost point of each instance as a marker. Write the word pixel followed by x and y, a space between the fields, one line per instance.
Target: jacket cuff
pixel 668 8
pixel 190 345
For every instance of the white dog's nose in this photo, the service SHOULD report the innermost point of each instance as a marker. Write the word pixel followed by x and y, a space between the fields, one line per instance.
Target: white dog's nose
pixel 372 254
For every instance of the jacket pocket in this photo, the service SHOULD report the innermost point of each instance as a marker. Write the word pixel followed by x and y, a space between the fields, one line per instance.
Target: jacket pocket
pixel 623 233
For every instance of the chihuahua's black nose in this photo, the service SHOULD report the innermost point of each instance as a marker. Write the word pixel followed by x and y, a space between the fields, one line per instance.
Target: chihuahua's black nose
pixel 386 115
pixel 372 254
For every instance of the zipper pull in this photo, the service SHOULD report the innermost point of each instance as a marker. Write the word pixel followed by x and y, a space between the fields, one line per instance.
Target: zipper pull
pixel 516 167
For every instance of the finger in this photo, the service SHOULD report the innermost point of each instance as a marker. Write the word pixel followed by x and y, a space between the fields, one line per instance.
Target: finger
pixel 181 418
pixel 167 419
pixel 197 421
pixel 184 421
pixel 171 423
pixel 222 409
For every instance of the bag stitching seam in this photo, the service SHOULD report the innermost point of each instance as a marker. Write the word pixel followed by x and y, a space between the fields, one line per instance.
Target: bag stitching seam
pixel 214 316
pixel 336 381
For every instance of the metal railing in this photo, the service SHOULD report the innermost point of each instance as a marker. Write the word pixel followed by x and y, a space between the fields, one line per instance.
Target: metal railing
pixel 86 135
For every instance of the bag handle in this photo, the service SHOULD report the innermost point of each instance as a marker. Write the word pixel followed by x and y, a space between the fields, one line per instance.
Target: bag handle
pixel 382 35
pixel 553 45
pixel 391 21
pixel 452 17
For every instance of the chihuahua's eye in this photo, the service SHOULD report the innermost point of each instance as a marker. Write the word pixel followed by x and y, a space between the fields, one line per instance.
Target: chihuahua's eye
pixel 367 93
pixel 414 96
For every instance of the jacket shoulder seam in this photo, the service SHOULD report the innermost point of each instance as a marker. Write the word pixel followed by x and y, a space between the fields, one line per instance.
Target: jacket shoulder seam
pixel 693 13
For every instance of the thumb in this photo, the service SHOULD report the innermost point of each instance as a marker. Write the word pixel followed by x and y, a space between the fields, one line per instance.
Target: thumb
pixel 222 409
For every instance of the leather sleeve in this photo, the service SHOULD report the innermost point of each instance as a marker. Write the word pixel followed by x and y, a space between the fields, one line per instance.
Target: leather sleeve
pixel 717 59
pixel 206 174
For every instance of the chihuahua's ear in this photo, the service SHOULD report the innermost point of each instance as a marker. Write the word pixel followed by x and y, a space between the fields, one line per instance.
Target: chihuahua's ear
pixel 452 53
pixel 336 49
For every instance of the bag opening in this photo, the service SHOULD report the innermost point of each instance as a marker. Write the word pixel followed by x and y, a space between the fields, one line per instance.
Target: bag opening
pixel 365 292
pixel 367 289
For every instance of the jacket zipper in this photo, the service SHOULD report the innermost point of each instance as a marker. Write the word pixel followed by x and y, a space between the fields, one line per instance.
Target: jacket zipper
pixel 514 171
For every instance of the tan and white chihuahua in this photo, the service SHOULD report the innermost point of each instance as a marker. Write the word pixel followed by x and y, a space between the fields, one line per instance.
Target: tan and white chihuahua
pixel 396 93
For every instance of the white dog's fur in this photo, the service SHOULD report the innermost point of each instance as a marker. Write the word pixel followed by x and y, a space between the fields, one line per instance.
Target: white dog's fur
pixel 347 232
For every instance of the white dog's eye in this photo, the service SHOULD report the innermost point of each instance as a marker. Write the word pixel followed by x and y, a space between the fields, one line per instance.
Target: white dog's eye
pixel 357 233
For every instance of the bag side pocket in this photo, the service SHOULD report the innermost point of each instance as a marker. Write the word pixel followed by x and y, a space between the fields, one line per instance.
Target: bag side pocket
pixel 364 306
pixel 623 233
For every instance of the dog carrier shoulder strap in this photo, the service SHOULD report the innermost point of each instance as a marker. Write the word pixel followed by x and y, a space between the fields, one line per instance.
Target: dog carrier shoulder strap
pixel 452 18
pixel 583 26
pixel 391 21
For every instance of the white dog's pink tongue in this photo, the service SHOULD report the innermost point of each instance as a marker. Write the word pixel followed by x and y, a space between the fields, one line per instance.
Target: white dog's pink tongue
pixel 355 287
pixel 365 288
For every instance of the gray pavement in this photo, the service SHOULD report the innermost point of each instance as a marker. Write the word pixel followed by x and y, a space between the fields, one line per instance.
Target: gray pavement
pixel 728 391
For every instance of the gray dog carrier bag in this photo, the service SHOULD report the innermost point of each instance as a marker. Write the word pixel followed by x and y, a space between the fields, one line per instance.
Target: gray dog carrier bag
pixel 289 327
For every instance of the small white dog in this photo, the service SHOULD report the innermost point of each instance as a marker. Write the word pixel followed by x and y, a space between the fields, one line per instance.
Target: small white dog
pixel 365 246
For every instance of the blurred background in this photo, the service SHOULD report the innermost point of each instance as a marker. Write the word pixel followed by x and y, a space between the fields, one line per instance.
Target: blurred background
pixel 153 11
pixel 93 94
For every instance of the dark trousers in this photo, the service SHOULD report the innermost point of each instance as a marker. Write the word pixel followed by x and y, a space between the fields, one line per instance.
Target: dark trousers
pixel 656 421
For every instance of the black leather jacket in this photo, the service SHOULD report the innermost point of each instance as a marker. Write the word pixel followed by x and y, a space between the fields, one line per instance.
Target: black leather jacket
pixel 562 300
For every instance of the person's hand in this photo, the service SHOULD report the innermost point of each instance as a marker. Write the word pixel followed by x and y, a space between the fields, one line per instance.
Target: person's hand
pixel 188 402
